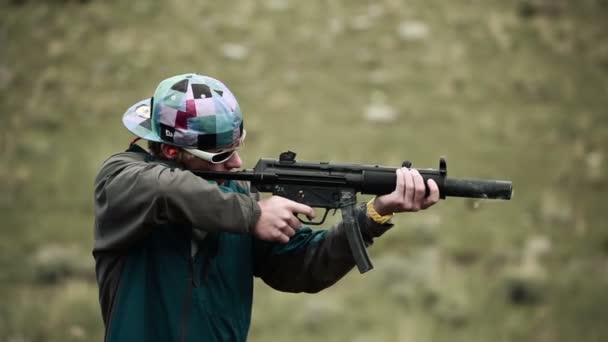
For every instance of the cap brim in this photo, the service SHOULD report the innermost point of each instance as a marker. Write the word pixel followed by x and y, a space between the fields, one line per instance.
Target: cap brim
pixel 137 119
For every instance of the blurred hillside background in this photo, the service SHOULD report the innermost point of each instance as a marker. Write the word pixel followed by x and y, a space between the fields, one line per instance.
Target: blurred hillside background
pixel 512 90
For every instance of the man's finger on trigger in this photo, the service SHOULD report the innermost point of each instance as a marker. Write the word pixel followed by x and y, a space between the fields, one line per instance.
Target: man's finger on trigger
pixel 312 214
pixel 299 208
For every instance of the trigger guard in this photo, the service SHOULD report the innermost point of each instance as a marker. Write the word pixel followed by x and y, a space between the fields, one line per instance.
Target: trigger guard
pixel 314 223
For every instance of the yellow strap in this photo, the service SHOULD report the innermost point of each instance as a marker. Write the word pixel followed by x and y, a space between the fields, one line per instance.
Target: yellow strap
pixel 373 214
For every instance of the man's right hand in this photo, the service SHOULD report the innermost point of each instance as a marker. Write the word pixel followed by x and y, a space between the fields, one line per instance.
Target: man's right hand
pixel 278 221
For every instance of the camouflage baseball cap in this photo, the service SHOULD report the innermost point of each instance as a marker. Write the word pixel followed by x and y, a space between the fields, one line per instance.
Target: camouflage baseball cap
pixel 189 111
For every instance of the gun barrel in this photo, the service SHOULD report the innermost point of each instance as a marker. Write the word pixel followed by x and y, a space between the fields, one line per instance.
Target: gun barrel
pixel 478 188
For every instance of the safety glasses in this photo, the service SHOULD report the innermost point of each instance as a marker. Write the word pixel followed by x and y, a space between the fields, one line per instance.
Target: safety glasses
pixel 217 157
pixel 214 158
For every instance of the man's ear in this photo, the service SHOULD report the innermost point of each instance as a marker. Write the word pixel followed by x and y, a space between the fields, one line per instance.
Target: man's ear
pixel 169 152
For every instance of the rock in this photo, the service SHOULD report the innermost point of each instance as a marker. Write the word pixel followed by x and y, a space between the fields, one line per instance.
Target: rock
pixel 594 161
pixel 555 208
pixel 413 31
pixel 277 5
pixel 235 51
pixel 53 263
pixel 524 291
pixel 537 246
pixel 318 313
pixel 379 111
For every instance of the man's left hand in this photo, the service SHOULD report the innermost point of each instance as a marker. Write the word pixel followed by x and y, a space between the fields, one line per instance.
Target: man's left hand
pixel 409 194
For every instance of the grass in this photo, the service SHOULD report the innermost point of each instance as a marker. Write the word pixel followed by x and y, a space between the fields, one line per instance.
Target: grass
pixel 508 90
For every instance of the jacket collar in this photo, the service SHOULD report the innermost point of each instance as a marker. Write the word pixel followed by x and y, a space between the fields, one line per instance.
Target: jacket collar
pixel 150 158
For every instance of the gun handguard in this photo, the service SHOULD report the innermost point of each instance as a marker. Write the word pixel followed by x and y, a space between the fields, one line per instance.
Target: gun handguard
pixel 325 185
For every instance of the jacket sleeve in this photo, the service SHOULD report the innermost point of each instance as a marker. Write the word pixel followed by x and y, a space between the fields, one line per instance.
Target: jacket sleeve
pixel 312 260
pixel 133 196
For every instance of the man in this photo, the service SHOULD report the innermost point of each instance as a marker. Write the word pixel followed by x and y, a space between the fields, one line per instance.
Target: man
pixel 176 255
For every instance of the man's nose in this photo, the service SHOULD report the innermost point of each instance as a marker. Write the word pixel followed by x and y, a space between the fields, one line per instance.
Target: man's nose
pixel 234 162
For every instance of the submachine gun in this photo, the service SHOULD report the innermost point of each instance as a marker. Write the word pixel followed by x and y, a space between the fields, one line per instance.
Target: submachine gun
pixel 334 186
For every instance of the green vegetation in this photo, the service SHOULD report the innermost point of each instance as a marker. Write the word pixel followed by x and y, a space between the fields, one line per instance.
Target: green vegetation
pixel 505 89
